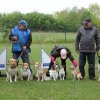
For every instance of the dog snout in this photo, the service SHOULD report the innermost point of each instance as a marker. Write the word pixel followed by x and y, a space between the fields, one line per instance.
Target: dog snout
pixel 13 66
pixel 13 62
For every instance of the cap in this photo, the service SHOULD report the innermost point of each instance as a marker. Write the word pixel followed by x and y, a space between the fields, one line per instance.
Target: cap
pixel 63 53
pixel 87 20
pixel 23 22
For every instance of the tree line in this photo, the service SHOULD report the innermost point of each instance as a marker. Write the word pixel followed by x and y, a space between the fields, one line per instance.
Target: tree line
pixel 67 20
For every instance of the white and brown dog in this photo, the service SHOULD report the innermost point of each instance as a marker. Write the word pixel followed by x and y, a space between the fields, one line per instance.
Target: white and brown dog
pixel 53 73
pixel 61 72
pixel 76 73
pixel 41 73
pixel 26 72
pixel 12 70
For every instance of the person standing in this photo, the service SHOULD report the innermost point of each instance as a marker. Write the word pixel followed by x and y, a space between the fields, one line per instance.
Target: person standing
pixel 21 40
pixel 87 43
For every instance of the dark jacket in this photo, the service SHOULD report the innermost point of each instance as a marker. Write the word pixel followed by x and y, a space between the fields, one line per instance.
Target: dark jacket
pixel 87 40
pixel 56 52
pixel 24 39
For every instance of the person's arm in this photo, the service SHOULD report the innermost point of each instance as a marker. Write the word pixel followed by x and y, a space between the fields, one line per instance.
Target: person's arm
pixel 74 62
pixel 97 40
pixel 29 40
pixel 77 41
pixel 53 59
pixel 13 38
pixel 28 43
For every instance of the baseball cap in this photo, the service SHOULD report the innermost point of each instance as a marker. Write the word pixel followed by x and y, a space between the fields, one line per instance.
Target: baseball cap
pixel 87 20
pixel 23 22
pixel 63 53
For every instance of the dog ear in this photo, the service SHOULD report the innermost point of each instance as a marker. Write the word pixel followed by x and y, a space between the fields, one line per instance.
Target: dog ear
pixel 15 61
pixel 40 64
pixel 9 61
pixel 23 64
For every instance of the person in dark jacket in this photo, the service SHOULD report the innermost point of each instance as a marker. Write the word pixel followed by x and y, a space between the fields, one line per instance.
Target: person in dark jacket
pixel 64 53
pixel 21 40
pixel 87 43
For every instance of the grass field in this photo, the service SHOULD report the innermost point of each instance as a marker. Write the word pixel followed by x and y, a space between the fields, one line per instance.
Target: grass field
pixel 49 90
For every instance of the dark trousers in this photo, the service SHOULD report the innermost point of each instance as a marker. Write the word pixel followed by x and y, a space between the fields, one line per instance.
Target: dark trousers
pixel 63 63
pixel 91 62
pixel 24 57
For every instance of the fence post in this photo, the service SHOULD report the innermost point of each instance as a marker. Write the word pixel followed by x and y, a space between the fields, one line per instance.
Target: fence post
pixel 65 37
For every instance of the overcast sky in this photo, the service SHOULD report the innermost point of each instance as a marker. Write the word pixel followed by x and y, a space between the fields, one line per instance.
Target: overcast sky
pixel 43 6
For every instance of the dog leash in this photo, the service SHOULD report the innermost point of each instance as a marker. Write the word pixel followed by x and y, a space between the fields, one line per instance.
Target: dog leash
pixel 20 56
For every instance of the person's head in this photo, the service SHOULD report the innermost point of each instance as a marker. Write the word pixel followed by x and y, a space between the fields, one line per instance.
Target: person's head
pixel 22 24
pixel 87 23
pixel 63 53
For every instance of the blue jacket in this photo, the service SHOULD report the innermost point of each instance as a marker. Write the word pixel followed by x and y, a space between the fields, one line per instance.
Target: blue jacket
pixel 23 37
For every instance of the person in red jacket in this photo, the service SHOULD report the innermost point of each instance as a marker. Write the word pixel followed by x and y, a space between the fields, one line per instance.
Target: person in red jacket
pixel 64 53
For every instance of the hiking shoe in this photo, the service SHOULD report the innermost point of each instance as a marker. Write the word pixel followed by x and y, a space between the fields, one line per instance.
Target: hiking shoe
pixel 92 78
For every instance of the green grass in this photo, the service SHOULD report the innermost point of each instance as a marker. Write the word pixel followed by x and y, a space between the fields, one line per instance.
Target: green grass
pixel 58 37
pixel 49 90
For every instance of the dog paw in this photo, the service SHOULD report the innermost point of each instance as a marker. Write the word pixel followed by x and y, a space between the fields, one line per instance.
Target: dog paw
pixel 7 79
pixel 22 79
pixel 15 80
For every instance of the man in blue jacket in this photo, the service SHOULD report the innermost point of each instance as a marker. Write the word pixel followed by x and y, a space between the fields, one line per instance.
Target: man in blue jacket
pixel 21 40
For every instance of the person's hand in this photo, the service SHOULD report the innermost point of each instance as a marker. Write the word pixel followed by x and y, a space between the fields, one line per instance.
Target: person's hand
pixel 15 38
pixel 54 62
pixel 24 48
pixel 77 66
